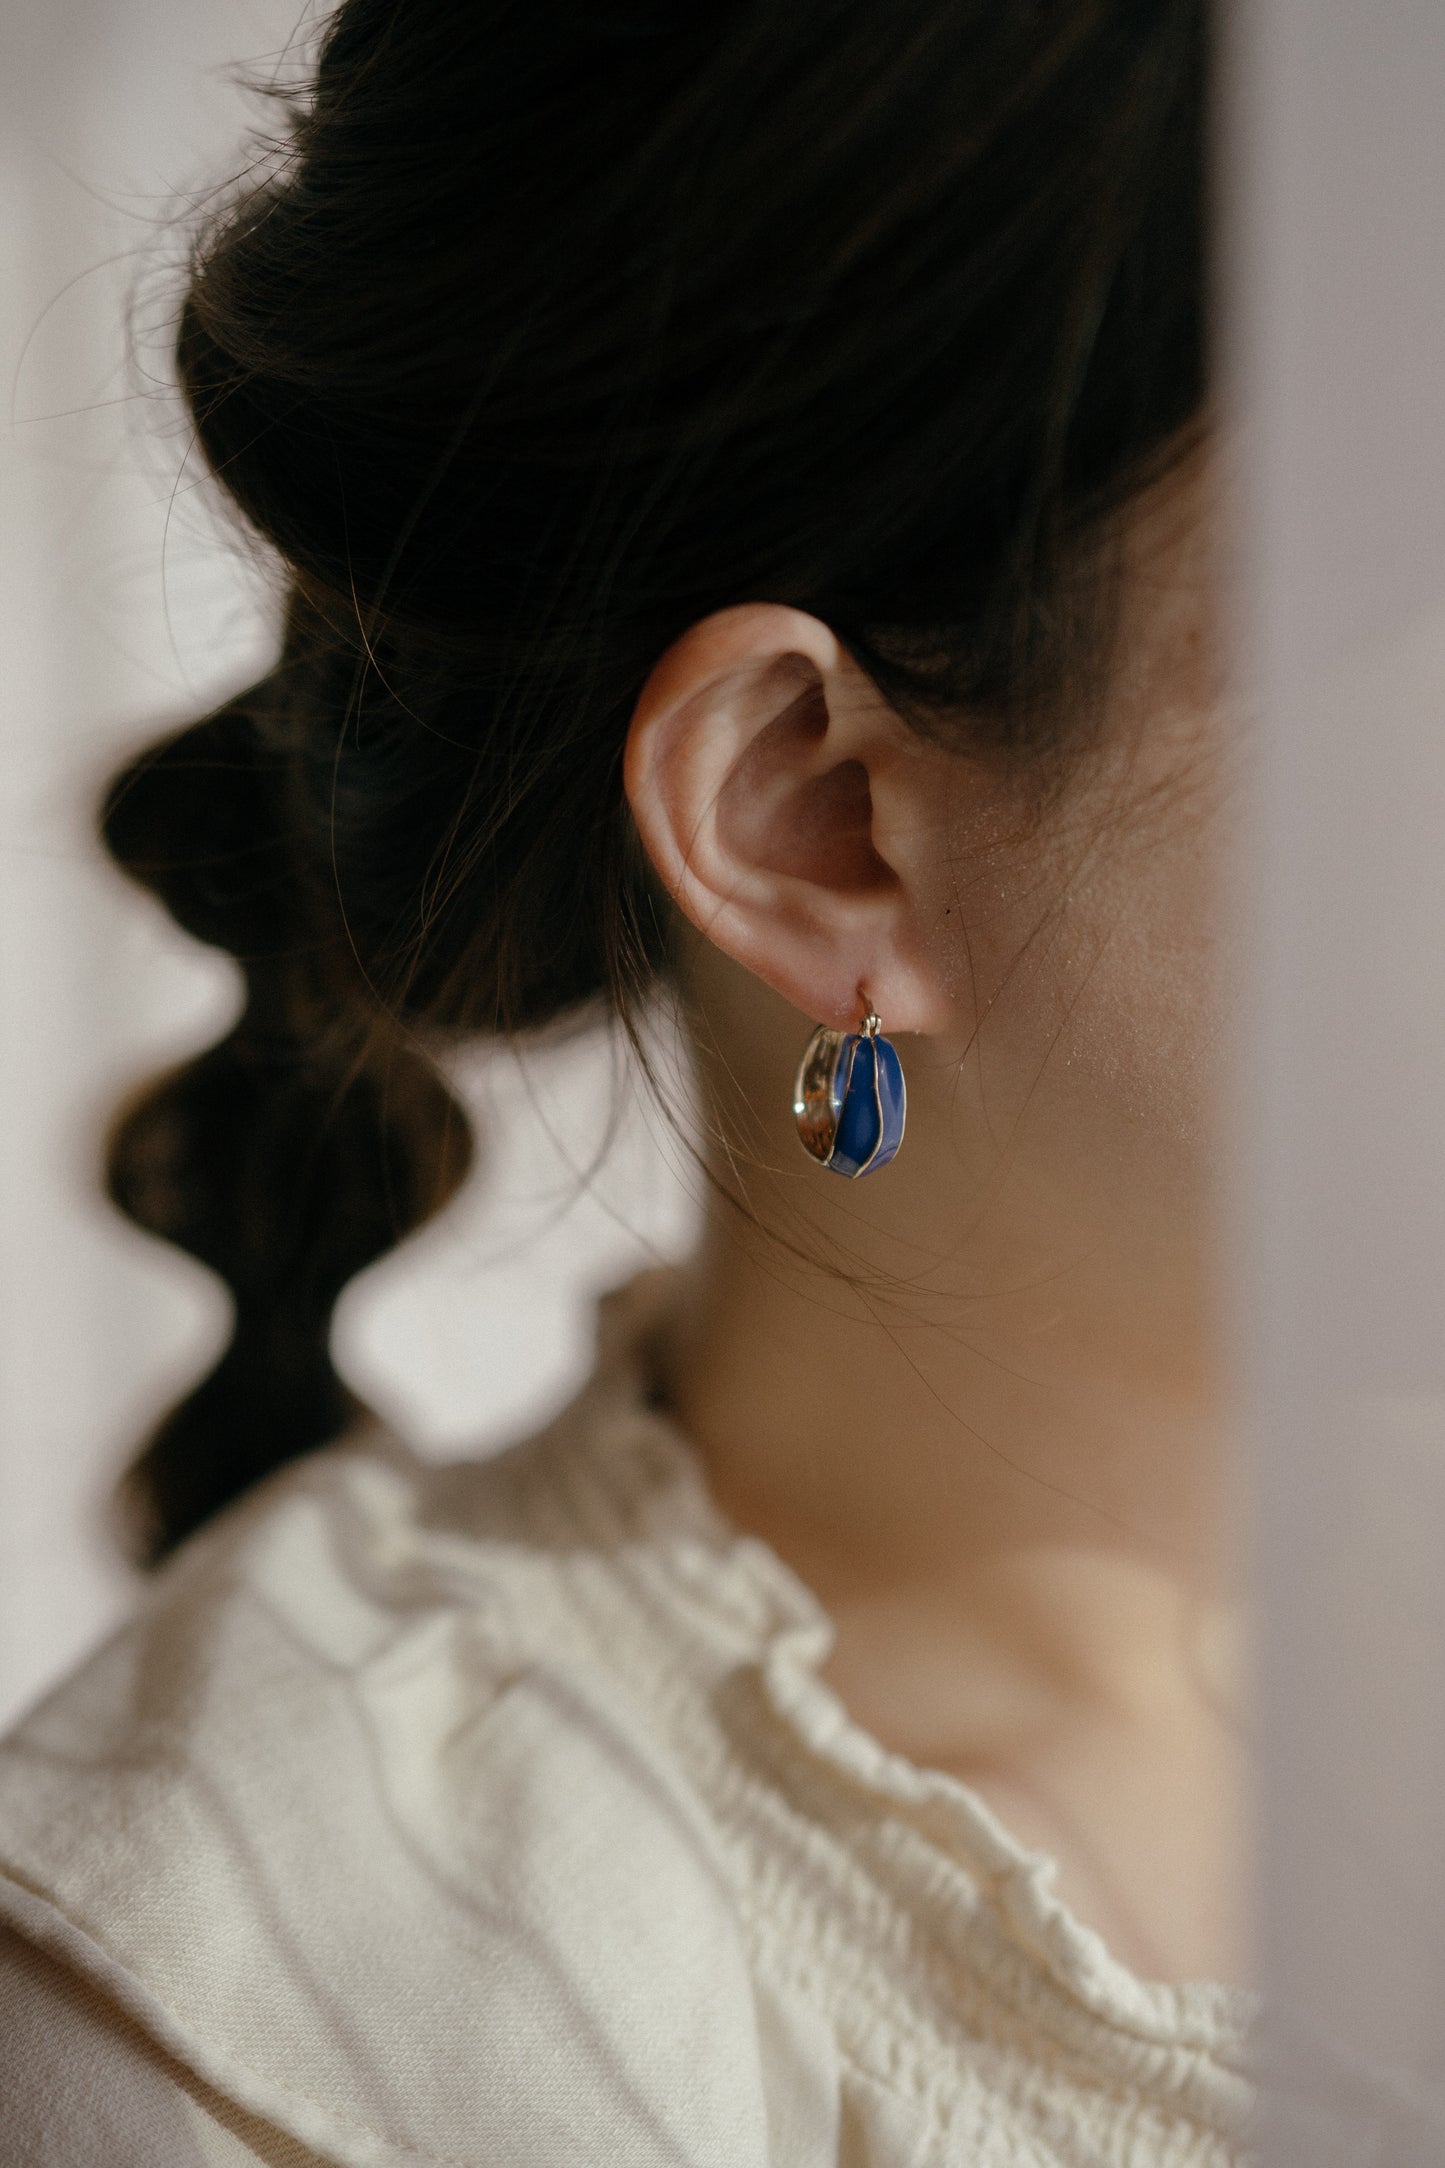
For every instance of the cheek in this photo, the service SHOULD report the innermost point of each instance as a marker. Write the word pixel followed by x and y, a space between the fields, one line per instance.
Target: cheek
pixel 1097 973
pixel 1107 962
pixel 1139 1029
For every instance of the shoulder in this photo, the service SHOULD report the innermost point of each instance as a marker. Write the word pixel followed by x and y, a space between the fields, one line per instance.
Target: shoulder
pixel 361 1795
pixel 84 2086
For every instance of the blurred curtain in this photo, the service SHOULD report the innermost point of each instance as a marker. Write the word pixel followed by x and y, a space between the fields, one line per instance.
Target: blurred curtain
pixel 1332 174
pixel 123 609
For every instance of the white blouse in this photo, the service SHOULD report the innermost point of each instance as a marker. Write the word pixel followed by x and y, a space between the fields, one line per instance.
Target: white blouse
pixel 495 1816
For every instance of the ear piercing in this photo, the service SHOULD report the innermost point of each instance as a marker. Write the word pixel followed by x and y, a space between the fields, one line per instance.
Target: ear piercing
pixel 849 1100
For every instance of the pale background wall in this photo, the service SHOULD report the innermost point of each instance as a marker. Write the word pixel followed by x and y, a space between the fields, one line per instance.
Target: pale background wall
pixel 123 608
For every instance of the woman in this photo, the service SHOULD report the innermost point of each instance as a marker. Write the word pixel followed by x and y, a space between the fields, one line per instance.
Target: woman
pixel 743 485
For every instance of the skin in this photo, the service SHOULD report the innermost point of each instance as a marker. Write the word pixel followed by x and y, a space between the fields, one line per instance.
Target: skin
pixel 975 1400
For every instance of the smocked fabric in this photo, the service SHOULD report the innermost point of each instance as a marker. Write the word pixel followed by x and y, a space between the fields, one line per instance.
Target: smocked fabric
pixel 498 1815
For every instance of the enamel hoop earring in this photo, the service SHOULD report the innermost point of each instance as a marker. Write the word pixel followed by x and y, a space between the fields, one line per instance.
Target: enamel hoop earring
pixel 849 1100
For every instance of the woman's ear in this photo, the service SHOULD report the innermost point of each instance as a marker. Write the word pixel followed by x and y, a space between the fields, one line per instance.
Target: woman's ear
pixel 792 816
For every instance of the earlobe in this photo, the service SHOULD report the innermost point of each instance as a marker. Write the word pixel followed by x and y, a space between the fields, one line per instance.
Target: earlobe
pixel 755 760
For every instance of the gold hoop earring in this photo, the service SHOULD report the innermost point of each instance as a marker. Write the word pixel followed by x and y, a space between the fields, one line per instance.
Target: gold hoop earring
pixel 849 1101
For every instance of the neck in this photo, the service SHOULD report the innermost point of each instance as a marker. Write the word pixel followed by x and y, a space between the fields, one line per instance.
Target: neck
pixel 985 1430
pixel 963 1383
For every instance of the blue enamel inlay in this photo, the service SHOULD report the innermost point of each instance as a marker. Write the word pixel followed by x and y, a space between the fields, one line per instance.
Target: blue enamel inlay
pixel 858 1125
pixel 892 1098
pixel 868 1092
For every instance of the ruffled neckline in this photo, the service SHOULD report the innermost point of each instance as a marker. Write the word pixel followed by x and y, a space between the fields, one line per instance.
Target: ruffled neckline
pixel 794 1636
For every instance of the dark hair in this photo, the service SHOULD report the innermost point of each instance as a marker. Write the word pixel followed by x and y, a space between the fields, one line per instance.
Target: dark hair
pixel 551 329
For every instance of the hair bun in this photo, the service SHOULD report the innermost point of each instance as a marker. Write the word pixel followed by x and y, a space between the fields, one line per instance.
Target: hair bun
pixel 199 820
